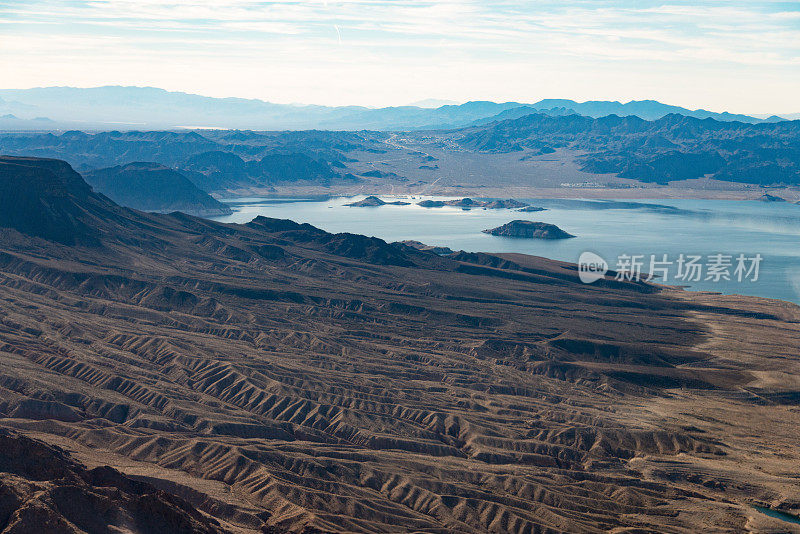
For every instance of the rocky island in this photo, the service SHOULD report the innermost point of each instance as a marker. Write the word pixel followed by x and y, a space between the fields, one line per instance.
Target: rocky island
pixel 465 203
pixel 766 197
pixel 509 204
pixel 431 203
pixel 373 201
pixel 468 203
pixel 531 209
pixel 529 230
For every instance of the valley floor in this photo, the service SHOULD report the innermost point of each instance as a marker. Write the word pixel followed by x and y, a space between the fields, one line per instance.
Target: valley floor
pixel 502 175
pixel 374 187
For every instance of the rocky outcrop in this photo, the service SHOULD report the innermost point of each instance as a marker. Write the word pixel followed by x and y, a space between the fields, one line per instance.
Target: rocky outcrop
pixel 42 198
pixel 418 245
pixel 431 203
pixel 529 230
pixel 530 209
pixel 508 204
pixel 373 201
pixel 43 490
pixel 468 203
pixel 766 197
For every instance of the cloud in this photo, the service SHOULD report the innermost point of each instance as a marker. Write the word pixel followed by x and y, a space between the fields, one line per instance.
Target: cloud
pixel 571 38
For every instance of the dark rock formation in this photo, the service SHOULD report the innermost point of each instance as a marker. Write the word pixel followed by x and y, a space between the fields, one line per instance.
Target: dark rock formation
pixel 529 230
pixel 464 203
pixel 469 203
pixel 154 187
pixel 373 201
pixel 41 197
pixel 385 175
pixel 431 203
pixel 218 169
pixel 505 204
pixel 44 490
pixel 531 209
pixel 766 197
pixel 442 251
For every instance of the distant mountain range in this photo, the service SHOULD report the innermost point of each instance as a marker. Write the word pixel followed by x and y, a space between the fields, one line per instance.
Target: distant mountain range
pixel 116 163
pixel 672 148
pixel 141 108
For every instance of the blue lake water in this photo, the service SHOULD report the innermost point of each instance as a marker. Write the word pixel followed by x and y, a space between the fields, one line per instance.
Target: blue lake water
pixel 606 227
pixel 783 516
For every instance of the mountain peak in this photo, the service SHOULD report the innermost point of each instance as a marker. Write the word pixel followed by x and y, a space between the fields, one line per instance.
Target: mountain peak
pixel 45 198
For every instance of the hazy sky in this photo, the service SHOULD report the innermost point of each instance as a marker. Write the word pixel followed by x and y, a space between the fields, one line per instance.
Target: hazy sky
pixel 720 55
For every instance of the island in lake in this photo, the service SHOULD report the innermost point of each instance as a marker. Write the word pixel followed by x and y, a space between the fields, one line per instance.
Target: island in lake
pixel 531 209
pixel 766 197
pixel 468 203
pixel 373 201
pixel 529 230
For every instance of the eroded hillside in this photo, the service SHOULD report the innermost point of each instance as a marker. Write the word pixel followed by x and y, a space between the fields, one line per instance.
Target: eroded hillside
pixel 277 376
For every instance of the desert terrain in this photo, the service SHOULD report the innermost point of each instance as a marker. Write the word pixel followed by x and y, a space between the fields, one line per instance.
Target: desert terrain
pixel 273 377
pixel 500 175
pixel 530 156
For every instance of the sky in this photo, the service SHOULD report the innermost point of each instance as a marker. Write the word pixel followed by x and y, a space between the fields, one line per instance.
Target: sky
pixel 737 56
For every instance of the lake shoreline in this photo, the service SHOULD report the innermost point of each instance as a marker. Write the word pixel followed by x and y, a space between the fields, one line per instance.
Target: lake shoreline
pixel 648 227
pixel 600 193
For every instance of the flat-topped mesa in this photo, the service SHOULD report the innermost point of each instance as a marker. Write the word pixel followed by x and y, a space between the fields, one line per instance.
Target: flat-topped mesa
pixel 373 201
pixel 46 198
pixel 529 230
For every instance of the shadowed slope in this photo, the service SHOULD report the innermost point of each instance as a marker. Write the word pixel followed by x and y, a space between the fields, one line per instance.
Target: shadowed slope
pixel 43 490
pixel 45 198
pixel 154 187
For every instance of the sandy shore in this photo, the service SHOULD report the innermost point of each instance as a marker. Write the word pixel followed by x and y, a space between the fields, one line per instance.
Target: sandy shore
pixel 640 193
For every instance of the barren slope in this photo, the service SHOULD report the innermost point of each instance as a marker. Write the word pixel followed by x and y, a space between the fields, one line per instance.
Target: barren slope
pixel 274 374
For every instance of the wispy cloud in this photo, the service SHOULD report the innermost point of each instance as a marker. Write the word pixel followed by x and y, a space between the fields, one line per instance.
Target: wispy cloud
pixel 469 37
